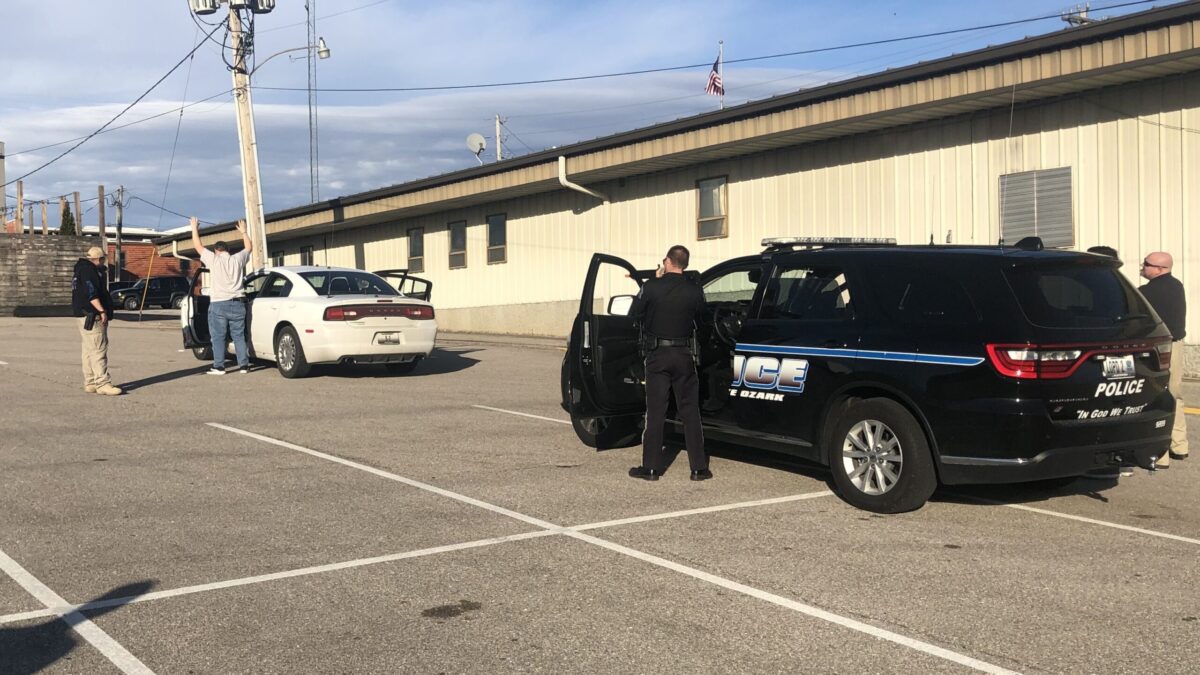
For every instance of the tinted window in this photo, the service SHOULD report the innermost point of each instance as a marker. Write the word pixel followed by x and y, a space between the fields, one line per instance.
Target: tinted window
pixel 810 294
pixel 908 295
pixel 736 286
pixel 1074 295
pixel 342 282
pixel 277 287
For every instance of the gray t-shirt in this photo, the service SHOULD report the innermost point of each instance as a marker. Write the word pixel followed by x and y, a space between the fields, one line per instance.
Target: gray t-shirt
pixel 225 273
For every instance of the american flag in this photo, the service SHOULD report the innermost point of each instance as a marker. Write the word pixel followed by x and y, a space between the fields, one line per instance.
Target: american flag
pixel 714 86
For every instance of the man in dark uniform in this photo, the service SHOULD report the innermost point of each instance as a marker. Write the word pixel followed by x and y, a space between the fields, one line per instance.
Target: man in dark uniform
pixel 667 308
pixel 1165 294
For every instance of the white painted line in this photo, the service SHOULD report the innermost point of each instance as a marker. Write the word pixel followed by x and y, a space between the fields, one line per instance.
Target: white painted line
pixel 536 522
pixel 809 610
pixel 103 642
pixel 274 576
pixel 521 414
pixel 3 363
pixel 704 509
pixel 1102 523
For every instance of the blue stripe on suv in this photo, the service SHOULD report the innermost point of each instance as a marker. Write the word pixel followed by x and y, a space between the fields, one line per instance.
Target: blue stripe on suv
pixel 904 357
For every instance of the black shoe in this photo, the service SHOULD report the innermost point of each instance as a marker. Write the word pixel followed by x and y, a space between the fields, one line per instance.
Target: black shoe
pixel 1177 456
pixel 643 473
pixel 702 474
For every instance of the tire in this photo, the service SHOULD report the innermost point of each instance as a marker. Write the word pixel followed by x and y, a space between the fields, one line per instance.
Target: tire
pixel 176 303
pixel 892 474
pixel 402 368
pixel 289 354
pixel 605 433
pixel 131 304
pixel 202 353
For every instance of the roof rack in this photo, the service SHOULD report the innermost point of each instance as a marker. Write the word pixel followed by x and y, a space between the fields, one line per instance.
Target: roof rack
pixel 791 243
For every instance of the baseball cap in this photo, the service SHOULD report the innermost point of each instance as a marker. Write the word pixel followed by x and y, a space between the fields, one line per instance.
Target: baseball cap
pixel 95 252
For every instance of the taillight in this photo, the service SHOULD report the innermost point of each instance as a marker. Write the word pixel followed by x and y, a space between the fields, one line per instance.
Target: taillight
pixel 356 312
pixel 1164 354
pixel 1029 362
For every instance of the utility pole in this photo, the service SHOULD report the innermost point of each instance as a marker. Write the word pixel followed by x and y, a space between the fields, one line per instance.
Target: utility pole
pixel 120 222
pixel 3 192
pixel 499 154
pixel 45 225
pixel 62 209
pixel 20 207
pixel 251 188
pixel 79 217
pixel 100 229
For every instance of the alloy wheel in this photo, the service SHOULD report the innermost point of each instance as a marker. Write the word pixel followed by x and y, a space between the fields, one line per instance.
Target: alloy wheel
pixel 872 457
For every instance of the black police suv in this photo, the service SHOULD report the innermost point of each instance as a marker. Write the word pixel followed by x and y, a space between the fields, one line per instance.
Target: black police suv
pixel 899 367
pixel 166 292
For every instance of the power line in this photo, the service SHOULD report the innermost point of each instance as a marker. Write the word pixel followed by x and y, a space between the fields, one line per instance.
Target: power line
pixel 178 126
pixel 706 64
pixel 326 16
pixel 133 197
pixel 123 126
pixel 114 119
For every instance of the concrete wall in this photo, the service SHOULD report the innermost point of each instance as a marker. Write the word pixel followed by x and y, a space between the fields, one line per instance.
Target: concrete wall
pixel 36 271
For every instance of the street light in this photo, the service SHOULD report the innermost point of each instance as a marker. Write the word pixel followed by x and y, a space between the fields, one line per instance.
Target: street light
pixel 251 186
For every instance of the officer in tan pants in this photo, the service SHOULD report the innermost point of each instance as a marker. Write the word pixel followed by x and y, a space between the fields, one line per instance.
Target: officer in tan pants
pixel 92 306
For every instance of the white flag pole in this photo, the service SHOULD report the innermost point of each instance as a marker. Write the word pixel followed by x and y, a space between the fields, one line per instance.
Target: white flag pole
pixel 721 69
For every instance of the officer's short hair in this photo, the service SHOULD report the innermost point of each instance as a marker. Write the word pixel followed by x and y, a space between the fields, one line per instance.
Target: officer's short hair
pixel 679 255
pixel 220 246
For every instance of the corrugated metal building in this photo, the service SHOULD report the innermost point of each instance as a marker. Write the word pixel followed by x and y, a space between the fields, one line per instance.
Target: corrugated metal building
pixel 1087 136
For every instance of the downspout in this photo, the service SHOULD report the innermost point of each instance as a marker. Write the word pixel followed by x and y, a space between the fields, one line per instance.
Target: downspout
pixel 562 180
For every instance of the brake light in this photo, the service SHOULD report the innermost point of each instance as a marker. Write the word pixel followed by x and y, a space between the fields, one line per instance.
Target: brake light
pixel 1164 354
pixel 356 312
pixel 1030 362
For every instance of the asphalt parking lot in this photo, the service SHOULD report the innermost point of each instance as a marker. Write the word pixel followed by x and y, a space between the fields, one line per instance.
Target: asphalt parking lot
pixel 449 521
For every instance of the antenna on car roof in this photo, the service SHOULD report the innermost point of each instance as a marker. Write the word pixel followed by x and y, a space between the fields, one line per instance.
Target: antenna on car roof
pixel 931 239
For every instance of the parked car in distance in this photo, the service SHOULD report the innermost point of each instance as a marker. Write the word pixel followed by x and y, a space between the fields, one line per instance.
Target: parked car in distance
pixel 899 367
pixel 299 316
pixel 165 292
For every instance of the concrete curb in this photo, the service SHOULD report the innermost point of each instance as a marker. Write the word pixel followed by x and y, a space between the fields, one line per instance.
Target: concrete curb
pixel 505 340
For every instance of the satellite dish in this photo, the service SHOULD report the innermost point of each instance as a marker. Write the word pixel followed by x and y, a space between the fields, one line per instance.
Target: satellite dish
pixel 476 144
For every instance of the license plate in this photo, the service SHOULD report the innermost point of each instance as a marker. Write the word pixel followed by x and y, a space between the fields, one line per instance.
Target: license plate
pixel 388 339
pixel 1117 367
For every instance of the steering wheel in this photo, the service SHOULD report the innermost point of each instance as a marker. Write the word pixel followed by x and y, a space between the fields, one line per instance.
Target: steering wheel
pixel 727 323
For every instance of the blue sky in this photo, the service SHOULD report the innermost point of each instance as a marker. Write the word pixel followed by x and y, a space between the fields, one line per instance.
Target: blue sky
pixel 70 66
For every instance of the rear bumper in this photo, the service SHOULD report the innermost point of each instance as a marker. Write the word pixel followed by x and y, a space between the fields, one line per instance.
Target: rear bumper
pixel 335 345
pixel 1054 463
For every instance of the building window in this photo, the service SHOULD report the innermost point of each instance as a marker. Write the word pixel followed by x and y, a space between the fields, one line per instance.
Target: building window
pixel 458 244
pixel 277 259
pixel 306 255
pixel 1037 204
pixel 497 225
pixel 416 249
pixel 710 221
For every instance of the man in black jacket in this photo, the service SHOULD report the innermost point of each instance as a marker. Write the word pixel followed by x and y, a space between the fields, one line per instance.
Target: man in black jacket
pixel 1166 296
pixel 91 303
pixel 667 308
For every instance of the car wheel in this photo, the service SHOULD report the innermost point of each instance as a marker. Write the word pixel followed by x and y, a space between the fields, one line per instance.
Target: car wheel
pixel 289 354
pixel 131 303
pixel 880 457
pixel 177 303
pixel 202 353
pixel 604 433
pixel 402 368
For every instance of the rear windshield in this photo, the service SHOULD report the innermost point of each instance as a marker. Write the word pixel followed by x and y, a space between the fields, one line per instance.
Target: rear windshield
pixel 1076 296
pixel 339 282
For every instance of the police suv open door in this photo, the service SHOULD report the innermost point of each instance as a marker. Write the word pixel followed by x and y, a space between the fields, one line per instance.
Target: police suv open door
pixel 408 285
pixel 603 376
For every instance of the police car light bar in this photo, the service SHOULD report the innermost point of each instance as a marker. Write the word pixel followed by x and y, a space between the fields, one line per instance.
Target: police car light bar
pixel 779 242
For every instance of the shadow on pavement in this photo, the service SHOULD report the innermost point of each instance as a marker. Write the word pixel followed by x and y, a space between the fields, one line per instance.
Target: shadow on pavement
pixel 31 649
pixel 163 377
pixel 440 362
pixel 1092 487
pixel 126 316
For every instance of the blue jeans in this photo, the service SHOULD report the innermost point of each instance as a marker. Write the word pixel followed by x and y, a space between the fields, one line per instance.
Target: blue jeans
pixel 228 316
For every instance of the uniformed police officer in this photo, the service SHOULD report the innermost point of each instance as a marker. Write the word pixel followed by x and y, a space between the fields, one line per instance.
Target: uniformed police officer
pixel 667 308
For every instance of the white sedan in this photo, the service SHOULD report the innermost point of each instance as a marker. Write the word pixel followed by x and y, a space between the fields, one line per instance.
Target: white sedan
pixel 300 316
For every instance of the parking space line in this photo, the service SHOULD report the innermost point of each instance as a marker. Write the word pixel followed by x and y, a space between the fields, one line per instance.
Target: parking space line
pixel 809 610
pixel 1192 411
pixel 93 634
pixel 521 414
pixel 274 576
pixel 704 509
pixel 802 608
pixel 1093 521
pixel 536 522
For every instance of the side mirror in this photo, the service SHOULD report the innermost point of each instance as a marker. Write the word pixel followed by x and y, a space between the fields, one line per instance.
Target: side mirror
pixel 619 305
